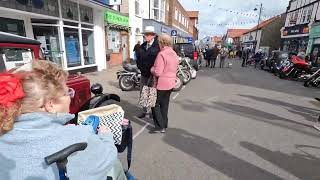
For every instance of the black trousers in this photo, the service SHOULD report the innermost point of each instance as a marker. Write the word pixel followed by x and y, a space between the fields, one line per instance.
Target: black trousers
pixel 160 111
pixel 244 62
pixel 213 62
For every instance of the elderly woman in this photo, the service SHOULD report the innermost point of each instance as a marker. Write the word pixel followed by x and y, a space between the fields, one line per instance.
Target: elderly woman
pixel 165 70
pixel 34 107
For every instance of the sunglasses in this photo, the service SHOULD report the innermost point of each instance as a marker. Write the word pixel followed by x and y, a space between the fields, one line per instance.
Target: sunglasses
pixel 71 92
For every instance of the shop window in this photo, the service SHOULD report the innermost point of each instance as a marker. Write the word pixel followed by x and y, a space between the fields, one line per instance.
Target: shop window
pixel 69 10
pixel 114 41
pixel 86 14
pixel 12 26
pixel 88 47
pixel 72 47
pixel 50 42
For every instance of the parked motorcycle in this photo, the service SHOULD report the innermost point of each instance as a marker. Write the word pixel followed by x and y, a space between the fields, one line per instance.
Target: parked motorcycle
pixel 129 78
pixel 313 80
pixel 297 69
pixel 184 74
pixel 185 62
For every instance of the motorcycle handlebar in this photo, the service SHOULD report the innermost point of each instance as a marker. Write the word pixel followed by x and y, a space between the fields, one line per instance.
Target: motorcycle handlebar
pixel 64 153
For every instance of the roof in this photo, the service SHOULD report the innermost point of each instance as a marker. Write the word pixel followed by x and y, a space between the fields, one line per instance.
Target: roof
pixel 11 38
pixel 234 33
pixel 263 24
pixel 193 14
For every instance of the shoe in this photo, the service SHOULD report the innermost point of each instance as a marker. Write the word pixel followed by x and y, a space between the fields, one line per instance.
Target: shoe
pixel 155 130
pixel 142 115
pixel 163 131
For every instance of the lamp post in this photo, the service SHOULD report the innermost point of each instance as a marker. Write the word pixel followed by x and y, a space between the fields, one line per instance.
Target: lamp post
pixel 260 11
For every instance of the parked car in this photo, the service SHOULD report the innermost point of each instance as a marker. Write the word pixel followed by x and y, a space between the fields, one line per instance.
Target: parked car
pixel 16 51
pixel 188 50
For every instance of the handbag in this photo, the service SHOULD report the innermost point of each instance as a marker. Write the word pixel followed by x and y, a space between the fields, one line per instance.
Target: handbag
pixel 148 97
pixel 110 116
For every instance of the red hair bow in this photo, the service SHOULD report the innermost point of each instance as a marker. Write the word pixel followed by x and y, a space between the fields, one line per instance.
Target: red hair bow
pixel 10 89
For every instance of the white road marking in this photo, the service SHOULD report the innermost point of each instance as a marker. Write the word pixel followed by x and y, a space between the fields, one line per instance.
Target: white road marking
pixel 175 96
pixel 183 88
pixel 141 130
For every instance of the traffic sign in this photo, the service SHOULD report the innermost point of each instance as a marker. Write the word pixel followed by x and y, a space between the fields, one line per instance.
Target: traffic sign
pixel 190 39
pixel 174 33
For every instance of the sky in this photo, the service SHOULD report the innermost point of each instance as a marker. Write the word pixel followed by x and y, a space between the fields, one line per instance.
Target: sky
pixel 216 16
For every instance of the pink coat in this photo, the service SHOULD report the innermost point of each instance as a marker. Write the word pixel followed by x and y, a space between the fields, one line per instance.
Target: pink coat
pixel 165 68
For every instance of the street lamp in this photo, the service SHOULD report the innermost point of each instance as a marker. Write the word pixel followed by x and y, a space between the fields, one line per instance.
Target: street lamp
pixel 260 11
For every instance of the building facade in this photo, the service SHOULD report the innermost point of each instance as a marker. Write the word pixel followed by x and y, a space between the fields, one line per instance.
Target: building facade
pixel 300 15
pixel 194 18
pixel 178 19
pixel 71 32
pixel 266 36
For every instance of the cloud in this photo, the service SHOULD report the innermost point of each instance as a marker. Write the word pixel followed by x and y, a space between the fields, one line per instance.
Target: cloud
pixel 215 20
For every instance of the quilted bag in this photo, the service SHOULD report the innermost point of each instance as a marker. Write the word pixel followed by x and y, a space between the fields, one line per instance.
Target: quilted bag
pixel 148 96
pixel 110 116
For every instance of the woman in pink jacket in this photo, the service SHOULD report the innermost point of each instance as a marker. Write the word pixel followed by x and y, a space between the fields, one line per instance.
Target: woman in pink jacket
pixel 165 70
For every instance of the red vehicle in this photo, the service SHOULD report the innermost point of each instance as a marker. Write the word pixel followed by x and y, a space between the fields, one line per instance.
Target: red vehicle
pixel 16 51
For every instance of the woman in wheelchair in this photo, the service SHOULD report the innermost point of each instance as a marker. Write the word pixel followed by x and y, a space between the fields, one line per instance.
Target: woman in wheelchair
pixel 34 106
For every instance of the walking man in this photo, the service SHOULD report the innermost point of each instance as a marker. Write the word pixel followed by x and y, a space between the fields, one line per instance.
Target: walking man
pixel 214 56
pixel 223 55
pixel 245 56
pixel 146 58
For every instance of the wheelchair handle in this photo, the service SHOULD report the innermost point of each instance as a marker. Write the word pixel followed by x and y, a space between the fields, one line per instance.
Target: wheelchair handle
pixel 64 153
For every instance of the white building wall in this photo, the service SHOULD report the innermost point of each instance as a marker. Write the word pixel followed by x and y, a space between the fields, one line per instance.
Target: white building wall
pixel 99 39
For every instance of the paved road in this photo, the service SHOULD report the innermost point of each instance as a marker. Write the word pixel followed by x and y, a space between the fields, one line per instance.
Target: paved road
pixel 237 123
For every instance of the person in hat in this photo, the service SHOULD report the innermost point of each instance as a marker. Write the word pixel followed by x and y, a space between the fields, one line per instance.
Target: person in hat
pixel 146 57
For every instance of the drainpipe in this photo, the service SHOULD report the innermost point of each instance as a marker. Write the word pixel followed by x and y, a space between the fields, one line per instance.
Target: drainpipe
pixel 149 9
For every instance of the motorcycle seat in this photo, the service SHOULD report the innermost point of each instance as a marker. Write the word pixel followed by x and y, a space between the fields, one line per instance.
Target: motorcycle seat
pixel 131 68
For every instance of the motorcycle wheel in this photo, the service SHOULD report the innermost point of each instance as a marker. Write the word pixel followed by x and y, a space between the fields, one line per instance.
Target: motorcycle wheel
pixel 187 77
pixel 193 74
pixel 309 81
pixel 178 85
pixel 125 83
pixel 282 75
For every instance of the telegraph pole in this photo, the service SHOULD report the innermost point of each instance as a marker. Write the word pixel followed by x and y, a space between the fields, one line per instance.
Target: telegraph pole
pixel 260 11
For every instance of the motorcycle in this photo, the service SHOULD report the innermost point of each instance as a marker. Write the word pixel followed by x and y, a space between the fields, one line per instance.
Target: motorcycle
pixel 313 79
pixel 129 78
pixel 297 69
pixel 185 61
pixel 184 74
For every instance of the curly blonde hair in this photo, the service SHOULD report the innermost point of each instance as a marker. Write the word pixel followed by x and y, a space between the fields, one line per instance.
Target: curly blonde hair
pixel 46 81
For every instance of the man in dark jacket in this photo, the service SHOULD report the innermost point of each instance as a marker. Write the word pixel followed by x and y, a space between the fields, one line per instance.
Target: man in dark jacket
pixel 215 54
pixel 146 57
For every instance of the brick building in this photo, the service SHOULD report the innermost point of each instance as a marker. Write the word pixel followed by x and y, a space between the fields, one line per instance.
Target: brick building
pixel 194 17
pixel 235 35
pixel 178 19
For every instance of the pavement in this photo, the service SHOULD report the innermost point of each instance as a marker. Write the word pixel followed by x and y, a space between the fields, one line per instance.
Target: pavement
pixel 232 123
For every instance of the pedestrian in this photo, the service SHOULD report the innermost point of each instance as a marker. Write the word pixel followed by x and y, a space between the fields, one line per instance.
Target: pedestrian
pixel 34 108
pixel 207 56
pixel 223 55
pixel 165 70
pixel 245 56
pixel 215 54
pixel 145 60
pixel 136 49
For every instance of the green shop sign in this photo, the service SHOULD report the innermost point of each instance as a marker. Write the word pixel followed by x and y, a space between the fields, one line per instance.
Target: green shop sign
pixel 315 32
pixel 115 18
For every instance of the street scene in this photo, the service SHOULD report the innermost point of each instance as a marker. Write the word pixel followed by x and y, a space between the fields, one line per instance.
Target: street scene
pixel 159 89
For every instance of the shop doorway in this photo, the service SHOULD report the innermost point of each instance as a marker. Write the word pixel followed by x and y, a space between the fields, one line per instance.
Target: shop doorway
pixel 124 42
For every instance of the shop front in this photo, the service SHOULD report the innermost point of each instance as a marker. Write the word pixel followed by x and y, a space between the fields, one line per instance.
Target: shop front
pixel 117 37
pixel 295 39
pixel 69 31
pixel 314 44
